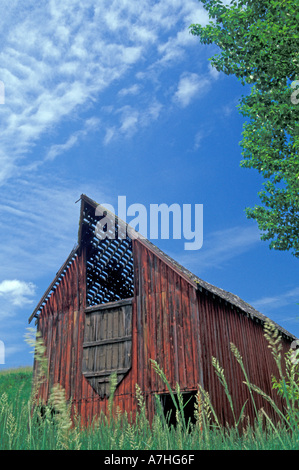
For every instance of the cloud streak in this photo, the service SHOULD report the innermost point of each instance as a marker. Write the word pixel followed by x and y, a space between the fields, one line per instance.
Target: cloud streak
pixel 17 292
pixel 39 225
pixel 57 149
pixel 57 59
pixel 190 86
pixel 220 247
pixel 291 297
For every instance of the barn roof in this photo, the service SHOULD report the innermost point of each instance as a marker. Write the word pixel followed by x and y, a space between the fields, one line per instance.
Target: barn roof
pixel 198 283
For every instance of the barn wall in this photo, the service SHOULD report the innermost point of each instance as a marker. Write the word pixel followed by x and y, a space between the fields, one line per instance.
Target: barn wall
pixel 167 326
pixel 221 325
pixel 172 323
pixel 182 328
pixel 61 323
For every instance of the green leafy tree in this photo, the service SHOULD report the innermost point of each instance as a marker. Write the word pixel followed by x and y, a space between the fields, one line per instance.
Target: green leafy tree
pixel 259 43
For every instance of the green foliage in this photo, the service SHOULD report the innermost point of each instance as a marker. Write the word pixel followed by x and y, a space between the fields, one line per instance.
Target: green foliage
pixel 259 44
pixel 287 384
pixel 17 383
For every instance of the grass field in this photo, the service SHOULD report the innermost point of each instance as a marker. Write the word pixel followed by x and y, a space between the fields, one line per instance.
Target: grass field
pixel 22 429
pixel 19 430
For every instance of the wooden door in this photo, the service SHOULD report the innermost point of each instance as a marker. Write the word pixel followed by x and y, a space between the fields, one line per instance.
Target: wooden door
pixel 107 346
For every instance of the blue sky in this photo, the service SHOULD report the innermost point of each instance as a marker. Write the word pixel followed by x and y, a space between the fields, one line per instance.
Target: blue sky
pixel 114 98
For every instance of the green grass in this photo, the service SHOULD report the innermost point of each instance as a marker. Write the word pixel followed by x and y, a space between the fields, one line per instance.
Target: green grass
pixel 16 382
pixel 21 428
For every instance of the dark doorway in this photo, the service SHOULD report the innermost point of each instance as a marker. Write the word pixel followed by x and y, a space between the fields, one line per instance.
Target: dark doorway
pixel 169 409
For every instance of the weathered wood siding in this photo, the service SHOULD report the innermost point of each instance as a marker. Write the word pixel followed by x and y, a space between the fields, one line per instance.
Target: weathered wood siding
pixel 182 328
pixel 61 323
pixel 167 326
pixel 221 325
pixel 168 320
pixel 164 327
pixel 107 346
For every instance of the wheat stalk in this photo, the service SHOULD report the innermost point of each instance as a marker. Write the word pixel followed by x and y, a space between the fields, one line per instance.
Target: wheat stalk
pixel 62 415
pixel 35 340
pixel 239 358
pixel 273 337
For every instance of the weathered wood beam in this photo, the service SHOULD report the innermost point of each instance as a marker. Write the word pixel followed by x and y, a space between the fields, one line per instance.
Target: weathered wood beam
pixel 108 305
pixel 102 342
pixel 105 373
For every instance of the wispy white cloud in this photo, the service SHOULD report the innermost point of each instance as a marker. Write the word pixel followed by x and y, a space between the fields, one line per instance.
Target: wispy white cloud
pixel 109 134
pixel 55 150
pixel 198 139
pixel 17 292
pixel 132 90
pixel 174 48
pixel 128 119
pixel 213 72
pixel 190 86
pixel 220 247
pixel 290 297
pixel 58 58
pixel 50 68
pixel 39 225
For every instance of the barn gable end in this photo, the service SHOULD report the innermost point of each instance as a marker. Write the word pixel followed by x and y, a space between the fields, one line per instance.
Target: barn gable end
pixel 117 303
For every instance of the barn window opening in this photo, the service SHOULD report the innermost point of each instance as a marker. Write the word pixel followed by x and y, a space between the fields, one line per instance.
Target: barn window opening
pixel 169 408
pixel 109 262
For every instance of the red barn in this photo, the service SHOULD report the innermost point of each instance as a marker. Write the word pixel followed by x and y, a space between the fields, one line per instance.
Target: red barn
pixel 117 303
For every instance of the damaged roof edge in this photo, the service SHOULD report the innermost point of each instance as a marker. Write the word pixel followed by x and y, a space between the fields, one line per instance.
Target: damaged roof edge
pixel 232 299
pixel 54 282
